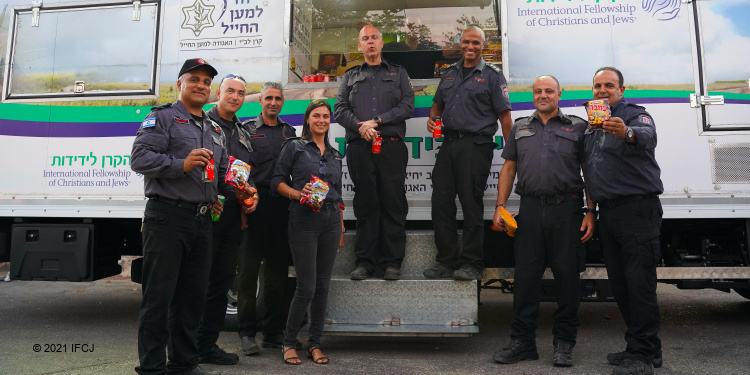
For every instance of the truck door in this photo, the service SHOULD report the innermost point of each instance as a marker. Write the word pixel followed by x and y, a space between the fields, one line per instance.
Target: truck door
pixel 723 45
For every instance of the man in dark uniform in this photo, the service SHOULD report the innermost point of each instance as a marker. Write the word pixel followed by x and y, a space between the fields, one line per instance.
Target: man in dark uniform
pixel 172 149
pixel 377 98
pixel 227 230
pixel 624 180
pixel 266 238
pixel 546 150
pixel 471 98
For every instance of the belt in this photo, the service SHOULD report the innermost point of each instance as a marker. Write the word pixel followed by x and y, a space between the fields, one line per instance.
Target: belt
pixel 551 200
pixel 198 208
pixel 626 199
pixel 452 135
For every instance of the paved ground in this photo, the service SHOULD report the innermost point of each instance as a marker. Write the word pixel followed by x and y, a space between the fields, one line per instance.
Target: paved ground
pixel 704 332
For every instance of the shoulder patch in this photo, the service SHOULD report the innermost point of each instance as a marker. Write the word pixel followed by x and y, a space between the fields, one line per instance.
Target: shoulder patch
pixel 149 122
pixel 645 119
pixel 505 92
pixel 167 105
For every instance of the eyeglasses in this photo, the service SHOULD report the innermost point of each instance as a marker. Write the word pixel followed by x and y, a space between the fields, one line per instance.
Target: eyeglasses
pixel 237 76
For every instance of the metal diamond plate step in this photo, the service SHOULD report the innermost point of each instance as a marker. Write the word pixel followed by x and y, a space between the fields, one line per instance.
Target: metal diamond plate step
pixel 410 301
pixel 420 254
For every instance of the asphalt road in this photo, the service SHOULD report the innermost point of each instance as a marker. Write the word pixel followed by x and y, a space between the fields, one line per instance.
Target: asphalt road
pixel 703 331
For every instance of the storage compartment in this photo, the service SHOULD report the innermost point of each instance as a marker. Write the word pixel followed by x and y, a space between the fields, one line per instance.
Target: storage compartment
pixel 56 252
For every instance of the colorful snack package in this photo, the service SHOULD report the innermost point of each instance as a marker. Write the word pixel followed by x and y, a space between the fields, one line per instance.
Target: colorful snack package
pixel 319 192
pixel 237 175
pixel 598 111
pixel 510 222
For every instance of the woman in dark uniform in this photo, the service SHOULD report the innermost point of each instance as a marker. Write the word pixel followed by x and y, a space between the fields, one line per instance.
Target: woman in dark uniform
pixel 314 237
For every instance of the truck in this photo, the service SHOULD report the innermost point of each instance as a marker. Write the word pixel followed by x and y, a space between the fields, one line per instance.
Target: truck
pixel 79 77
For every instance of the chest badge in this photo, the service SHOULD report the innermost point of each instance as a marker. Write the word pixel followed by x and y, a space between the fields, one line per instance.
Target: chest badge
pixel 180 121
pixel 216 128
pixel 478 79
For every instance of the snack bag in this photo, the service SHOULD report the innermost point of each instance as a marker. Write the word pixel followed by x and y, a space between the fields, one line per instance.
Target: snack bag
pixel 237 175
pixel 319 192
pixel 598 111
pixel 510 222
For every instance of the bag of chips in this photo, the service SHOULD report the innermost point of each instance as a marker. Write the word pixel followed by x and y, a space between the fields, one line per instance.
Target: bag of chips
pixel 598 111
pixel 237 175
pixel 319 192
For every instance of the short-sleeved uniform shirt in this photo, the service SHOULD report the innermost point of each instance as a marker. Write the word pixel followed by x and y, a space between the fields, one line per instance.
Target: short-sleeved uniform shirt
pixel 166 137
pixel 615 168
pixel 375 91
pixel 266 144
pixel 472 103
pixel 300 159
pixel 548 157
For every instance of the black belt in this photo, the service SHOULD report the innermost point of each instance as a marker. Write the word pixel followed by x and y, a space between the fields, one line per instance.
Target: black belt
pixel 452 135
pixel 551 200
pixel 198 208
pixel 626 199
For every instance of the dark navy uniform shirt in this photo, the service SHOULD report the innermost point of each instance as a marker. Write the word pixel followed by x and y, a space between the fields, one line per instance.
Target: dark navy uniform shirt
pixel 472 103
pixel 266 144
pixel 237 142
pixel 548 157
pixel 615 168
pixel 300 158
pixel 381 91
pixel 165 139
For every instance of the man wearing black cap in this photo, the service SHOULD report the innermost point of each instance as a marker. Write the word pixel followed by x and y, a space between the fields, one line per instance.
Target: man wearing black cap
pixel 176 149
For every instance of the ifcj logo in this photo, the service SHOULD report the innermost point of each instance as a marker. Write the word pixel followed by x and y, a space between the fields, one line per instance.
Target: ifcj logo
pixel 662 10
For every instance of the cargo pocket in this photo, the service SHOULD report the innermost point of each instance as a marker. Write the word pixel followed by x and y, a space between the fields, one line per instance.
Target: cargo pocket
pixel 648 246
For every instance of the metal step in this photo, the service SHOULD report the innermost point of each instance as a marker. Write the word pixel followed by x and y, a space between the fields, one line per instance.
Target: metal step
pixel 410 301
pixel 662 273
pixel 414 330
pixel 420 254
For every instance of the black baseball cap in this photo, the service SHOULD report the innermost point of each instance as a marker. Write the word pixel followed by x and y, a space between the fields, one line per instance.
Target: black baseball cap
pixel 191 64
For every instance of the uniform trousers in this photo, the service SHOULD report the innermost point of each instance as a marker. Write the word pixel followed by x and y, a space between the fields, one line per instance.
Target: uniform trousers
pixel 630 241
pixel 461 168
pixel 548 235
pixel 226 242
pixel 379 202
pixel 176 252
pixel 265 240
pixel 314 240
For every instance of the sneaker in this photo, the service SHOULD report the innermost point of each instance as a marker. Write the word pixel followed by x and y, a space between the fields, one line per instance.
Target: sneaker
pixel 359 273
pixel 218 356
pixel 563 354
pixel 249 347
pixel 392 273
pixel 617 358
pixel 467 272
pixel 516 351
pixel 633 367
pixel 438 272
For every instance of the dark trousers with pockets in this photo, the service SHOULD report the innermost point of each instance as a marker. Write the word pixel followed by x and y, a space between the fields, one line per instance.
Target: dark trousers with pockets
pixel 548 235
pixel 226 242
pixel 176 255
pixel 461 168
pixel 265 240
pixel 630 240
pixel 314 240
pixel 379 202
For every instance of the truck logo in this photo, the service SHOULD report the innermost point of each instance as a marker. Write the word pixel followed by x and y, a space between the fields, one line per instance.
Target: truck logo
pixel 198 17
pixel 662 10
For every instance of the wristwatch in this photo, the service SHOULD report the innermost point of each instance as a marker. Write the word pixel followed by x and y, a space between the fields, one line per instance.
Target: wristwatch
pixel 377 120
pixel 593 211
pixel 628 133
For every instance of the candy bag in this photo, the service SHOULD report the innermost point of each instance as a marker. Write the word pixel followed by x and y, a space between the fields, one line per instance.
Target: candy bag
pixel 237 175
pixel 598 111
pixel 319 192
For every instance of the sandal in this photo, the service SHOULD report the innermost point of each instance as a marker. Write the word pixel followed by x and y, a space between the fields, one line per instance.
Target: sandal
pixel 289 360
pixel 322 360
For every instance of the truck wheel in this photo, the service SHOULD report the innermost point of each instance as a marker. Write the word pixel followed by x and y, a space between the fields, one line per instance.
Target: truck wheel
pixel 745 292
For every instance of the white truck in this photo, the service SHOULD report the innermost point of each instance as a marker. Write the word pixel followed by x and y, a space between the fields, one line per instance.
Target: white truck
pixel 78 78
